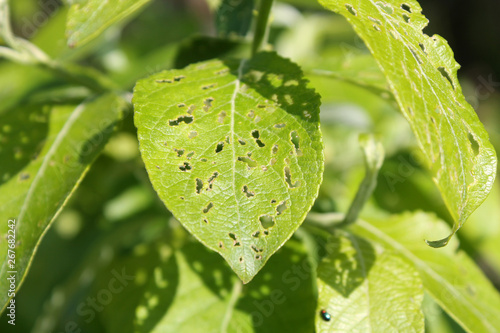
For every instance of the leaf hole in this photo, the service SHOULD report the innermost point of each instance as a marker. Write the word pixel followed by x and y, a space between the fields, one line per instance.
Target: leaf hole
pixel 205 220
pixel 248 161
pixel 178 78
pixel 190 155
pixel 199 185
pixel 247 192
pixel 256 135
pixel 374 20
pixel 185 119
pixel 280 125
pixel 241 260
pixel 235 240
pixel 386 7
pixel 393 34
pixel 181 105
pixel 273 201
pixel 415 55
pixel 208 86
pixel 406 7
pixel 376 27
pixel 222 71
pixel 266 232
pixel 256 249
pixel 406 18
pixel 267 221
pixel 185 167
pixel 211 180
pixel 242 142
pixel 221 245
pixel 351 9
pixel 281 208
pixel 219 147
pixel 207 104
pixel 164 81
pixel 251 114
pixel 275 149
pixel 207 209
pixel 288 179
pixel 203 160
pixel 294 138
pixel 474 144
pixel 222 115
pixel 182 198
pixel 258 257
pixel 422 47
pixel 256 234
pixel 446 75
pixel 179 152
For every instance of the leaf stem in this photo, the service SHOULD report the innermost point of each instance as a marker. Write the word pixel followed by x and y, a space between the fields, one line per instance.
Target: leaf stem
pixel 5 27
pixel 374 157
pixel 24 52
pixel 235 295
pixel 261 28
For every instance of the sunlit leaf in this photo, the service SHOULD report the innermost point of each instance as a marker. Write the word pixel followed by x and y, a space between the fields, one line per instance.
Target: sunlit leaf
pixel 53 148
pixel 233 148
pixel 364 288
pixel 448 275
pixel 422 75
pixel 89 18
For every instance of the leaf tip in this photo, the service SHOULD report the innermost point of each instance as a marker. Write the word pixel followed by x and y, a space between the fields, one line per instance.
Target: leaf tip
pixel 439 243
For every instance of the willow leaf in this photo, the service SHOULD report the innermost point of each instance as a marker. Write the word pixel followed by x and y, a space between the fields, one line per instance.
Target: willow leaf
pixel 422 75
pixel 451 277
pixel 234 150
pixel 365 288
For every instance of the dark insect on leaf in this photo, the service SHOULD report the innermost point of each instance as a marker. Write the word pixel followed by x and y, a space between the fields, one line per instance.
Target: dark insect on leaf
pixel 325 315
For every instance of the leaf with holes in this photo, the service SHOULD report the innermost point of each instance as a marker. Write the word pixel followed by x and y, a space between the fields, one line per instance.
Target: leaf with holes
pixel 422 75
pixel 366 288
pixel 89 18
pixel 448 275
pixel 54 146
pixel 234 150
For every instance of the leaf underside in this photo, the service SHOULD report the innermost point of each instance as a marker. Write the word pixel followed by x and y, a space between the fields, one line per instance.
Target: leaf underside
pixel 422 75
pixel 65 141
pixel 234 150
pixel 88 18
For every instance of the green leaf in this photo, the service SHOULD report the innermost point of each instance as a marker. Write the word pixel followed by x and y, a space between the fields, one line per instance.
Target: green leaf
pixel 89 18
pixel 234 17
pixel 222 303
pixel 365 288
pixel 51 156
pixel 448 275
pixel 422 75
pixel 234 150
